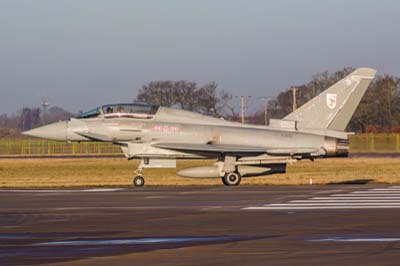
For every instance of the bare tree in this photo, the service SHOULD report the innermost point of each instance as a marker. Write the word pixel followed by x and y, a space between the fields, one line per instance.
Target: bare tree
pixel 187 95
pixel 55 114
pixel 29 118
pixel 380 107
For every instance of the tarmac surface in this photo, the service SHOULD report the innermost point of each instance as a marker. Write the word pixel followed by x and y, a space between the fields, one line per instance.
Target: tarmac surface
pixel 274 225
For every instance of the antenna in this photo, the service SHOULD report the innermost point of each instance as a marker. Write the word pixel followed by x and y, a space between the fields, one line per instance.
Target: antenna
pixel 45 104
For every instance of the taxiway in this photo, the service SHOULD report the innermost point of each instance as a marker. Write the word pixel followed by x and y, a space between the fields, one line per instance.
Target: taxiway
pixel 275 225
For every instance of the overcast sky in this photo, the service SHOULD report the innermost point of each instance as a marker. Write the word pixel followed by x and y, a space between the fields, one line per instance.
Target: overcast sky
pixel 81 54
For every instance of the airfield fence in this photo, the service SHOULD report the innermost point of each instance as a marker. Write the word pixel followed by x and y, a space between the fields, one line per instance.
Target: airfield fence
pixel 359 143
pixel 37 147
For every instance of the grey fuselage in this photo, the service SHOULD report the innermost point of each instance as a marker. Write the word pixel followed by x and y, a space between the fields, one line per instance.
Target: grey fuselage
pixel 137 136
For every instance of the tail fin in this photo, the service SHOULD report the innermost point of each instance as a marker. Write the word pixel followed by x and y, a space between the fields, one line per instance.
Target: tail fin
pixel 333 108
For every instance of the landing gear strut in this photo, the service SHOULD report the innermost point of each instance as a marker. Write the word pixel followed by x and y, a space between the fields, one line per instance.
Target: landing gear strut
pixel 231 179
pixel 138 180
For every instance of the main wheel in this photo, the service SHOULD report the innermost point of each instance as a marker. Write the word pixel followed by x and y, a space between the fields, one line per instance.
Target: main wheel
pixel 138 181
pixel 223 181
pixel 232 179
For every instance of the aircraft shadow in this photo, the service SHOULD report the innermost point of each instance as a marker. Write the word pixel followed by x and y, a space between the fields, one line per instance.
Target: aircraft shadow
pixel 353 182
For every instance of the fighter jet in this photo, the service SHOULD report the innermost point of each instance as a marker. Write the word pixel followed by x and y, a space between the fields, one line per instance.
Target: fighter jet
pixel 158 136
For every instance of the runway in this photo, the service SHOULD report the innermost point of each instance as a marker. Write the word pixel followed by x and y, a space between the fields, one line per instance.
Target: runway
pixel 274 225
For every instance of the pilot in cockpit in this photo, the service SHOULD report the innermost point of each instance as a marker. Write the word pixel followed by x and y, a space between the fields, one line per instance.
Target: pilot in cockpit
pixel 109 110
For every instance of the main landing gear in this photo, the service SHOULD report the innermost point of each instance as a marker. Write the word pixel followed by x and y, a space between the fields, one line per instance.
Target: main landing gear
pixel 232 176
pixel 231 179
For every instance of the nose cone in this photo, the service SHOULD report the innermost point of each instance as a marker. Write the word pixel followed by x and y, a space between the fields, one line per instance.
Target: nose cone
pixel 55 131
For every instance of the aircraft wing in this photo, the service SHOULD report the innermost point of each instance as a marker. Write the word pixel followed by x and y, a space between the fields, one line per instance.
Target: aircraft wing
pixel 224 148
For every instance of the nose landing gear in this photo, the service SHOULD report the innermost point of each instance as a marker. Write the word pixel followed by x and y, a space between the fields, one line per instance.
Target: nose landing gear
pixel 138 181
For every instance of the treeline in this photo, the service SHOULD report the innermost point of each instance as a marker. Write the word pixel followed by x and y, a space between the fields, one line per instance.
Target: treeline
pixel 27 118
pixel 188 95
pixel 378 112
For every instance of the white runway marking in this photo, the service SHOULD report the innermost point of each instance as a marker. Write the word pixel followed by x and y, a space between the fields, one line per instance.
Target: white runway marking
pixel 367 194
pixel 385 189
pixel 385 192
pixel 320 207
pixel 377 198
pixel 357 198
pixel 337 204
pixel 339 239
pixel 341 200
pixel 134 241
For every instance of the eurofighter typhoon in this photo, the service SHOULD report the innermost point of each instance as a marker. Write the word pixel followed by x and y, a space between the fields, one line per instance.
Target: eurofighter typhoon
pixel 160 135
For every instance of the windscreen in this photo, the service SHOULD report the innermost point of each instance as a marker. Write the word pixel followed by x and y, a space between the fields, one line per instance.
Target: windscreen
pixel 91 114
pixel 141 111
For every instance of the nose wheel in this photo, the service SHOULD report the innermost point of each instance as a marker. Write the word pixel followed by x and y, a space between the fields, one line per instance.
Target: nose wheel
pixel 138 181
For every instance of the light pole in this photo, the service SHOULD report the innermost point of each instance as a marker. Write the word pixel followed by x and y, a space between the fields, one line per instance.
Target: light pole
pixel 265 110
pixel 243 106
pixel 294 90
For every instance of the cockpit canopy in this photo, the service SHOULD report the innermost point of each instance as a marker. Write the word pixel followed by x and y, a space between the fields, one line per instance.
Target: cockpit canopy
pixel 138 111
